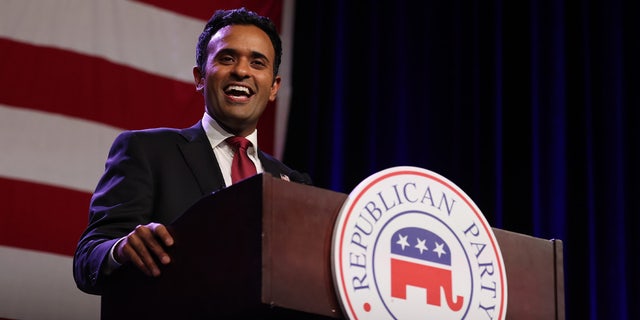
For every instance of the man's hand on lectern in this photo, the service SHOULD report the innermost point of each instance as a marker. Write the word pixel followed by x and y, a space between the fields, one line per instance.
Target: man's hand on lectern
pixel 143 246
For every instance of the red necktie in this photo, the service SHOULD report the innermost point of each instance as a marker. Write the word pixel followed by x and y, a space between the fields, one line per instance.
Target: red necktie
pixel 241 167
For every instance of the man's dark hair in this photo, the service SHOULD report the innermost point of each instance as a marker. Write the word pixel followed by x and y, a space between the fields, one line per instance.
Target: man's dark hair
pixel 241 16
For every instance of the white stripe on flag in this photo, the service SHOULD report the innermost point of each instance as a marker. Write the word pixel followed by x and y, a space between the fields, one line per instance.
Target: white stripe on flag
pixel 37 285
pixel 53 149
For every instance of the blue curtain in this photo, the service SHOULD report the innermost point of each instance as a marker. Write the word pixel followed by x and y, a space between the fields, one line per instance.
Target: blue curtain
pixel 531 107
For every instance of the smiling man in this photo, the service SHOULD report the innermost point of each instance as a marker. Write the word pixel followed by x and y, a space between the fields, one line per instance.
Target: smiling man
pixel 152 176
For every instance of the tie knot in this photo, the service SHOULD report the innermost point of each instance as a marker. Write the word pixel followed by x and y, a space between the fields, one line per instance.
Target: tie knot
pixel 241 166
pixel 239 143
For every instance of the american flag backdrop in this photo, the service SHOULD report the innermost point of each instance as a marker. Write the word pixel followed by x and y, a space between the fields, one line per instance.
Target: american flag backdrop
pixel 73 74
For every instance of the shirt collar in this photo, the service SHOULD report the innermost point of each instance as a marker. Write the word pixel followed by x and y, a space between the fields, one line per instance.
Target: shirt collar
pixel 216 134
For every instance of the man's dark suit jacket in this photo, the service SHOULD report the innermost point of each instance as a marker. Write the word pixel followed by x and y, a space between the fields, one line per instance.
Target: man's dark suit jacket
pixel 151 175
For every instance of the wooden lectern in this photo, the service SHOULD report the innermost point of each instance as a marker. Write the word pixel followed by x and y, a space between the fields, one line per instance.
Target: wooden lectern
pixel 260 249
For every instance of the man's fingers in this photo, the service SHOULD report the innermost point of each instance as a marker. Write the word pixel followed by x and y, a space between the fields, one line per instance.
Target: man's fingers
pixel 162 232
pixel 129 250
pixel 134 248
pixel 141 240
pixel 144 245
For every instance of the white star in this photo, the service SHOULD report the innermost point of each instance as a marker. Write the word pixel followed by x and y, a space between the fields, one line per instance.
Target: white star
pixel 439 249
pixel 421 246
pixel 403 241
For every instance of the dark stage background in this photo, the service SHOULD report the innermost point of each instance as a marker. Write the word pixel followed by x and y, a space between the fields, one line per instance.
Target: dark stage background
pixel 531 107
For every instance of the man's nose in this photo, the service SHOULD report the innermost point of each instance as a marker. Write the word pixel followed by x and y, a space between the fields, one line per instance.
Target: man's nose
pixel 242 68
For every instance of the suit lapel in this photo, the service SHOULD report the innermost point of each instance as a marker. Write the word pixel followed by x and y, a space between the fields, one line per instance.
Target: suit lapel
pixel 198 154
pixel 268 165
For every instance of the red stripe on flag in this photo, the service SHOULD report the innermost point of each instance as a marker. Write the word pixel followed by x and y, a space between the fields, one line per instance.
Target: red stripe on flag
pixel 77 85
pixel 41 217
pixel 203 9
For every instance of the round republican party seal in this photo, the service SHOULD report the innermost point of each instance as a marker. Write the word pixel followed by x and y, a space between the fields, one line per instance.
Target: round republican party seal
pixel 409 244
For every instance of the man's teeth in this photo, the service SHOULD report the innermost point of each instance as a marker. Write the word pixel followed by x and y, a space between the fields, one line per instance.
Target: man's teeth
pixel 239 89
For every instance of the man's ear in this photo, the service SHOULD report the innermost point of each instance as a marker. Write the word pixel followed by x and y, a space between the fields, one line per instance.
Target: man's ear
pixel 274 88
pixel 198 79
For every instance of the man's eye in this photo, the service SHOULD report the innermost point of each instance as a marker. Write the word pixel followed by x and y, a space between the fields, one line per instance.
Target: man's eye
pixel 225 59
pixel 259 63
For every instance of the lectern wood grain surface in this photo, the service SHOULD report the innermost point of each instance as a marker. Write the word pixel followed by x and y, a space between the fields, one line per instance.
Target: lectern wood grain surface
pixel 261 248
pixel 535 276
pixel 298 223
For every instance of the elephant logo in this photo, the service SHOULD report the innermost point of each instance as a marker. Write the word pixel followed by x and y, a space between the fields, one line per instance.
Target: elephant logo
pixel 422 259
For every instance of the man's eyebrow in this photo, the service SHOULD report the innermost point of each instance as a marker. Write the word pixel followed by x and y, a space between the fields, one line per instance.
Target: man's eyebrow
pixel 233 52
